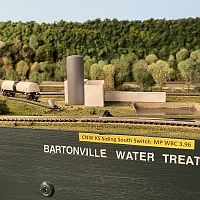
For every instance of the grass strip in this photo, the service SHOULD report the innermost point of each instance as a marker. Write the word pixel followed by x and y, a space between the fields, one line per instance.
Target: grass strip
pixel 135 129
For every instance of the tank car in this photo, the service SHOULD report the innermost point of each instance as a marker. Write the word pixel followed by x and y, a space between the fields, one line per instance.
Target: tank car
pixel 7 88
pixel 30 89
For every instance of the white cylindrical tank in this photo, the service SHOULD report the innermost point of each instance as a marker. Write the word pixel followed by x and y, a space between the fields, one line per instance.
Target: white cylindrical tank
pixel 27 87
pixel 75 80
pixel 7 85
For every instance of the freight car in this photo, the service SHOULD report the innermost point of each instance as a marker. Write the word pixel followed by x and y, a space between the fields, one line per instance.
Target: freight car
pixel 29 89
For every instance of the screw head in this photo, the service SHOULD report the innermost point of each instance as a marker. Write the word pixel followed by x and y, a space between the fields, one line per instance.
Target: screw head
pixel 46 189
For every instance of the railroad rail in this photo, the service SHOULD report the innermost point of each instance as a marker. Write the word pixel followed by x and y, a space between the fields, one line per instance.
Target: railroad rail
pixel 184 94
pixel 52 93
pixel 30 102
pixel 193 123
pixel 168 94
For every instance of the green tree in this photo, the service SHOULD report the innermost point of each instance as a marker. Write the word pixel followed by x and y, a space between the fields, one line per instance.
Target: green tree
pixel 143 78
pixel 88 61
pixel 60 73
pixel 187 68
pixel 22 70
pixel 151 58
pixel 2 44
pixel 27 53
pixel 15 50
pixel 138 64
pixel 96 71
pixel 181 55
pixel 46 71
pixel 109 77
pixel 123 67
pixel 101 40
pixel 173 64
pixel 160 71
pixel 43 54
pixel 11 75
pixel 33 42
pixel 195 55
pixel 34 74
pixel 7 68
pixel 196 74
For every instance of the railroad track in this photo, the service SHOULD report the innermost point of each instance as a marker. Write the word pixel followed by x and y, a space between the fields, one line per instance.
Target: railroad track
pixel 30 102
pixel 193 123
pixel 183 94
pixel 168 94
pixel 52 93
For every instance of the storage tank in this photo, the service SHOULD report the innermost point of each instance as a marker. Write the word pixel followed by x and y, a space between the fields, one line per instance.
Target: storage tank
pixel 27 87
pixel 7 85
pixel 75 80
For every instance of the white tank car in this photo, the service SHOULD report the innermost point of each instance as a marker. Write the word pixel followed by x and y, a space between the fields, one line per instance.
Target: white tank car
pixel 30 89
pixel 7 87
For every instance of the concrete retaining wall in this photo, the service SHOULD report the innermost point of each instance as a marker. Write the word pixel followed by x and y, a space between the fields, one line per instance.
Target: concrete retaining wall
pixel 135 96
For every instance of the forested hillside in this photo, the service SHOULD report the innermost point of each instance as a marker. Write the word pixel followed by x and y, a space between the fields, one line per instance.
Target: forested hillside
pixel 38 51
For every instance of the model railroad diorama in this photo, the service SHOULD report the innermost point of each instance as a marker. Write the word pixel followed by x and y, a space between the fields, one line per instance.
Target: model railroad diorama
pixel 85 99
pixel 110 129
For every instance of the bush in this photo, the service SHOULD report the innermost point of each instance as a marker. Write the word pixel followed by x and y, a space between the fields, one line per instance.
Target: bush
pixel 3 107
pixel 182 55
pixel 22 69
pixel 143 78
pixel 151 58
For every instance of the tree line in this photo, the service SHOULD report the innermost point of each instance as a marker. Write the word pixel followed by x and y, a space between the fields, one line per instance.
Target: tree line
pixel 147 72
pixel 117 50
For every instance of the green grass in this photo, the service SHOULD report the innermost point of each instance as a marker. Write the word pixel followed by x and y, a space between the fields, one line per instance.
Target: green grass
pixel 116 108
pixel 23 109
pixel 146 130
pixel 183 99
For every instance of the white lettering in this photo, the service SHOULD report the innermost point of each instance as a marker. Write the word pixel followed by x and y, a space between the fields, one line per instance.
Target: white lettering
pixel 120 154
pixel 103 153
pixel 46 148
pixel 134 155
pixel 189 161
pixel 143 156
pixel 52 149
pixel 150 157
pixel 57 149
pixel 129 156
pixel 165 157
pixel 181 159
pixel 197 158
